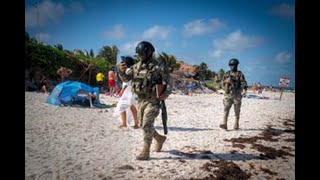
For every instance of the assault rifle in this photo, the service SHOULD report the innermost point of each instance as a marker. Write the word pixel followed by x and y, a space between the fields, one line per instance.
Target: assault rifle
pixel 159 91
pixel 231 87
pixel 164 116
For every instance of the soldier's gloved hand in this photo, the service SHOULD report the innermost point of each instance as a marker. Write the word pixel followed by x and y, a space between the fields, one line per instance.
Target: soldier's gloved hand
pixel 162 97
pixel 122 67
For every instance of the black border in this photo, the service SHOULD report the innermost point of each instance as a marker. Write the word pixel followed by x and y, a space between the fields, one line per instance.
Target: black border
pixel 12 95
pixel 306 90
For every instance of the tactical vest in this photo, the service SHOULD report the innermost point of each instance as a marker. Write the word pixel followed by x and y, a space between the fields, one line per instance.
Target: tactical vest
pixel 144 80
pixel 235 81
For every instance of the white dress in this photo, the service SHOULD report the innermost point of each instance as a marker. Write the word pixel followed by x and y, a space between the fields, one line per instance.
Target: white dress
pixel 127 99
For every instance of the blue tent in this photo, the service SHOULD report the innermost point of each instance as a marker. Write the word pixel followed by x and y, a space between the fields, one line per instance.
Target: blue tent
pixel 66 93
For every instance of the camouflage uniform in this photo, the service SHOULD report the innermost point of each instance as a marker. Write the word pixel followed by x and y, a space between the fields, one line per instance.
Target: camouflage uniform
pixel 144 78
pixel 233 96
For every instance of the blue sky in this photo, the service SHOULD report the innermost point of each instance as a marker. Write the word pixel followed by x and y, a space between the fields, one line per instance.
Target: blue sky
pixel 261 34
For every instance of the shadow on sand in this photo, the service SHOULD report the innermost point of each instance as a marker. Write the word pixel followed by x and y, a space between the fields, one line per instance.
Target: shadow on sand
pixel 249 129
pixel 203 129
pixel 230 156
pixel 183 128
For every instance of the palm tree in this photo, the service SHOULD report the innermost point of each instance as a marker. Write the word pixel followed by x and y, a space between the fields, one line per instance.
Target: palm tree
pixel 68 51
pixel 109 53
pixel 59 47
pixel 86 53
pixel 169 60
pixel 79 52
pixel 214 74
pixel 34 40
pixel 91 53
pixel 203 66
pixel 203 71
pixel 221 73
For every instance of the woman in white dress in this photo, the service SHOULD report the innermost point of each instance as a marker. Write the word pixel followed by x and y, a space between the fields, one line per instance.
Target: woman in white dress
pixel 126 107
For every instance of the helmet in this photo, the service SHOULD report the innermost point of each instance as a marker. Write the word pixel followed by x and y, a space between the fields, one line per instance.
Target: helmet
pixel 145 50
pixel 128 60
pixel 233 61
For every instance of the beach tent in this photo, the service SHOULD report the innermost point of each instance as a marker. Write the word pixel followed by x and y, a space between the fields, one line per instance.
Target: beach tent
pixel 66 93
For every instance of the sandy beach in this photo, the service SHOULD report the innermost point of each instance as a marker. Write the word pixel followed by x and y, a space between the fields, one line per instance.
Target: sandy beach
pixel 86 143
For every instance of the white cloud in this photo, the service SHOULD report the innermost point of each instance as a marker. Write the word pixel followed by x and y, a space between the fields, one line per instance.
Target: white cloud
pixel 201 27
pixel 284 10
pixel 42 37
pixel 156 32
pixel 217 53
pixel 116 32
pixel 43 14
pixel 234 42
pixel 283 57
pixel 129 47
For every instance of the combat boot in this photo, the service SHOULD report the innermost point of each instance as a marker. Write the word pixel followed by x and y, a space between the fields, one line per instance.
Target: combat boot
pixel 236 123
pixel 159 141
pixel 145 154
pixel 224 124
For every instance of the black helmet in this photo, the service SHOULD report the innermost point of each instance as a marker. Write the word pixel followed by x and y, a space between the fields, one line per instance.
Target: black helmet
pixel 144 49
pixel 233 61
pixel 128 60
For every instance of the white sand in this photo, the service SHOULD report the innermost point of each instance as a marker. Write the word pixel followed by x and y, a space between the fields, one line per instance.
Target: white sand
pixel 84 143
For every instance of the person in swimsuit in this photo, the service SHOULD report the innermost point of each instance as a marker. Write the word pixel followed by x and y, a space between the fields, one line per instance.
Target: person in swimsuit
pixel 112 82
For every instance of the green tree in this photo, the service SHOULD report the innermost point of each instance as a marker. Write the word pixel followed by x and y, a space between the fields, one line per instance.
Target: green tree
pixel 91 53
pixel 79 52
pixel 34 40
pixel 213 74
pixel 221 73
pixel 169 60
pixel 109 53
pixel 46 60
pixel 59 47
pixel 204 73
pixel 45 57
pixel 68 51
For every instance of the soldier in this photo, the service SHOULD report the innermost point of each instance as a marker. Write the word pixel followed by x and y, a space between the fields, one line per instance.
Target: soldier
pixel 235 87
pixel 145 74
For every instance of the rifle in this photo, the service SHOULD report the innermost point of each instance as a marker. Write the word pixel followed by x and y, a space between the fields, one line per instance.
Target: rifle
pixel 164 116
pixel 233 89
pixel 230 86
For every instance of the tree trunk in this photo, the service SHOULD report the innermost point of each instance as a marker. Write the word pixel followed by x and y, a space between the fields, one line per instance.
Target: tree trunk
pixel 89 78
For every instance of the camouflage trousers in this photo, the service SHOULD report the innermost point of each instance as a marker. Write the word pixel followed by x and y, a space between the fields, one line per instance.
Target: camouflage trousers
pixel 230 99
pixel 148 110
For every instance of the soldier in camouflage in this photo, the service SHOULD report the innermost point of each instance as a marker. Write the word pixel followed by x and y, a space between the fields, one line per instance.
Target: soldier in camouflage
pixel 235 87
pixel 145 74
